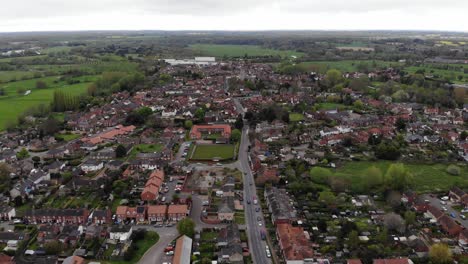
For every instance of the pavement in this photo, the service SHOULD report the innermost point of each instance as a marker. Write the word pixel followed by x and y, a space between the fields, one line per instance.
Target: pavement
pixel 436 202
pixel 156 255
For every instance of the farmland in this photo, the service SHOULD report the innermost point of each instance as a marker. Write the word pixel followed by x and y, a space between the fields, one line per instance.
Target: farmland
pixel 240 51
pixel 456 73
pixel 346 65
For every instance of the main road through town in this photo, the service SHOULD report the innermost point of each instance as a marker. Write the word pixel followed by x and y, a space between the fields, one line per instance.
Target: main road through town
pixel 256 244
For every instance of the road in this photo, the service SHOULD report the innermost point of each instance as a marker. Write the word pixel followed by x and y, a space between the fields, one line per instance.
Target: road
pixel 156 255
pixel 256 244
pixel 434 201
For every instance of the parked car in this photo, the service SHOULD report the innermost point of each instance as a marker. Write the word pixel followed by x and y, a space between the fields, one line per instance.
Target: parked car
pixel 169 253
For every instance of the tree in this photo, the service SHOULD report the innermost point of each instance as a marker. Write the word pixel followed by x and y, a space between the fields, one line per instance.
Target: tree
pixel 463 135
pixel 358 105
pixel 440 254
pixel 388 151
pixel 398 177
pixel 453 170
pixel 188 124
pixel 186 227
pixel 320 175
pixel 200 114
pixel 400 124
pixel 333 77
pixel 327 197
pixel 239 124
pixel 236 135
pixel 41 84
pixel 50 126
pixel 394 222
pixel 5 179
pixel 120 151
pixel 53 247
pixel 353 239
pixel 410 218
pixel 22 154
pixel 144 112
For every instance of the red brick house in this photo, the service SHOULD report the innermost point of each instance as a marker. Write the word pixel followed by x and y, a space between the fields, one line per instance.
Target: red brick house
pixel 198 131
pixel 101 216
pixel 59 216
pixel 157 213
pixel 177 212
pixel 152 186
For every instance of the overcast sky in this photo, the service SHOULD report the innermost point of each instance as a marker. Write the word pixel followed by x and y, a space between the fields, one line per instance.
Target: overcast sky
pixel 41 15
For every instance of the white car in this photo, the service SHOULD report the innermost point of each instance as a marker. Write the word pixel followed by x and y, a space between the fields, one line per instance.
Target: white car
pixel 169 253
pixel 445 198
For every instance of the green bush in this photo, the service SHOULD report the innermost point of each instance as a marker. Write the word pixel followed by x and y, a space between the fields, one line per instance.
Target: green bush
pixel 453 170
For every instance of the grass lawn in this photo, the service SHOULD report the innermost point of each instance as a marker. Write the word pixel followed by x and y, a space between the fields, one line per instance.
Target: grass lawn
pixel 209 236
pixel 144 148
pixel 240 51
pixel 427 178
pixel 208 152
pixel 329 106
pixel 295 117
pixel 68 137
pixel 239 218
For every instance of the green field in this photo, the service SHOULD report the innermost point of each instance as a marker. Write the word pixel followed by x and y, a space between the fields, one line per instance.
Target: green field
pixel 427 178
pixel 295 117
pixel 452 75
pixel 209 152
pixel 240 51
pixel 12 104
pixel 346 65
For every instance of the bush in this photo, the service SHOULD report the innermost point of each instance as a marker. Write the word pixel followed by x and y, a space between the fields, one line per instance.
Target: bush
pixel 453 170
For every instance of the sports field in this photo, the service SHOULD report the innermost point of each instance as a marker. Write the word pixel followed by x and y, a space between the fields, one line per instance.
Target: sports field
pixel 213 152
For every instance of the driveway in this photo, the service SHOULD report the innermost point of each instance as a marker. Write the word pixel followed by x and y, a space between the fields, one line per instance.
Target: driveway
pixel 156 255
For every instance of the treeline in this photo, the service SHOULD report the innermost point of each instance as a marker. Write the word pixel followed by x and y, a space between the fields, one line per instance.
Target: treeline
pixel 64 102
pixel 111 82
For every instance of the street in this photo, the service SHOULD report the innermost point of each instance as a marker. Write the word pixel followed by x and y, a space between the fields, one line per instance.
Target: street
pixel 256 244
pixel 436 202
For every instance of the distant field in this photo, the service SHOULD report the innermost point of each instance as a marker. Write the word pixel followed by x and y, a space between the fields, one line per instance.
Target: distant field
pixel 426 177
pixel 12 104
pixel 6 76
pixel 240 50
pixel 346 65
pixel 452 75
pixel 208 152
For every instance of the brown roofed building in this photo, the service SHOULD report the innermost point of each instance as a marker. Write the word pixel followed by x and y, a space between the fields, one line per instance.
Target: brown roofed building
pixel 157 213
pixel 183 250
pixel 393 261
pixel 177 212
pixel 294 244
pixel 198 131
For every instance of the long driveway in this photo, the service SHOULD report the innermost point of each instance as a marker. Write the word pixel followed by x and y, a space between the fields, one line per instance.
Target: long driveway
pixel 434 201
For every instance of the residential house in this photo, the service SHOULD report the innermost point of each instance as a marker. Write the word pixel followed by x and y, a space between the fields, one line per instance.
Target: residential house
pixel 177 212
pixel 279 205
pixel 59 216
pixel 101 216
pixel 121 233
pixel 226 209
pixel 7 213
pixel 294 244
pixel 157 213
pixel 92 165
pixel 183 250
pixel 230 245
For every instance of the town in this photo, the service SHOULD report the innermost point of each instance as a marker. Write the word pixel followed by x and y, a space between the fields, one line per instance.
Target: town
pixel 236 161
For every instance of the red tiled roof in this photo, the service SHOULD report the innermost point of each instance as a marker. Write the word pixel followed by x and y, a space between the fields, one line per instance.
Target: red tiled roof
pixel 294 243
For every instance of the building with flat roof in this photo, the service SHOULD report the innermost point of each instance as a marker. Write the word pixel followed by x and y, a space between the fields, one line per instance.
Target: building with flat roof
pixel 183 250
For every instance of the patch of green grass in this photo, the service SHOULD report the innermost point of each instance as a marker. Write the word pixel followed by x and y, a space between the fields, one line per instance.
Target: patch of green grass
pixel 7 76
pixel 144 148
pixel 240 51
pixel 449 74
pixel 68 137
pixel 329 106
pixel 427 177
pixel 209 152
pixel 239 218
pixel 209 236
pixel 295 117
